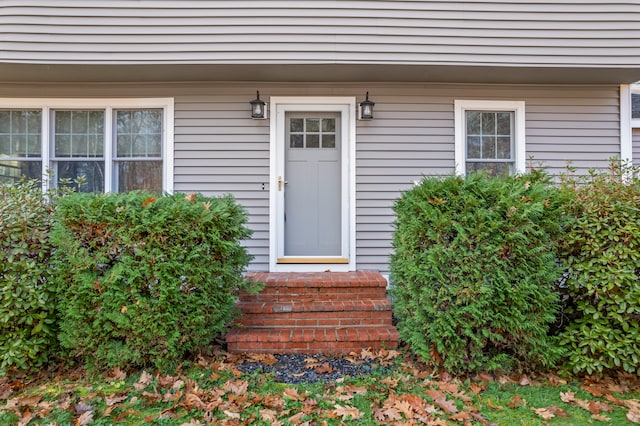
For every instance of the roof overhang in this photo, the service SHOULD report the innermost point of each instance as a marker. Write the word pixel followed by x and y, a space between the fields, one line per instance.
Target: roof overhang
pixel 65 73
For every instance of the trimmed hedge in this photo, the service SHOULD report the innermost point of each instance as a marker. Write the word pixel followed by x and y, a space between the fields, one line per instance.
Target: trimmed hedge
pixel 474 270
pixel 145 279
pixel 601 252
pixel 135 279
pixel 27 305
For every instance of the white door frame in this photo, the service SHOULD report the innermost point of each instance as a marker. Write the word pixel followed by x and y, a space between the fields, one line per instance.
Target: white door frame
pixel 346 106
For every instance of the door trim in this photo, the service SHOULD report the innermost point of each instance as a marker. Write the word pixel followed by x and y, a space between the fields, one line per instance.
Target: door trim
pixel 313 260
pixel 346 106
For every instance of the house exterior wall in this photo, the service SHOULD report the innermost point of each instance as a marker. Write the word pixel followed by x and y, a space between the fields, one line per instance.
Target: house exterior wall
pixel 497 32
pixel 219 149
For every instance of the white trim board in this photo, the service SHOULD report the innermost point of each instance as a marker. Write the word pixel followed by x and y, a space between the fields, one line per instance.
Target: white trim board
pixel 626 137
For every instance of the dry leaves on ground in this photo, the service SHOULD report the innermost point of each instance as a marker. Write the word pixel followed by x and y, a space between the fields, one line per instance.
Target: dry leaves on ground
pixel 411 395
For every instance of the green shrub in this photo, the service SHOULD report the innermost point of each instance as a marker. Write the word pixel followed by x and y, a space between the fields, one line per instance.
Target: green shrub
pixel 27 309
pixel 145 280
pixel 601 252
pixel 474 269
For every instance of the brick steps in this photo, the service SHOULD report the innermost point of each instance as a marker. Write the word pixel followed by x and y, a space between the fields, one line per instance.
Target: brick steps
pixel 314 286
pixel 326 312
pixel 316 314
pixel 311 340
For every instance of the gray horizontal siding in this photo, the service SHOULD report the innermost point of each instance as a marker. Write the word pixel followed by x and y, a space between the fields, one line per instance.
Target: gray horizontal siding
pixel 219 150
pixel 497 32
pixel 412 135
pixel 636 147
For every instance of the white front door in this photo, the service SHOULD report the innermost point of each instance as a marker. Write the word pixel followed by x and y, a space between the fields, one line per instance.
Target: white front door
pixel 312 185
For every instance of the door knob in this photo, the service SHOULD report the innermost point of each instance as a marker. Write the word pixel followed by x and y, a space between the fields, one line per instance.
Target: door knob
pixel 280 182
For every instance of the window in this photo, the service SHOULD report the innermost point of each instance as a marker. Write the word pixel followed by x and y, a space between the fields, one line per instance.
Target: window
pixel 312 133
pixel 115 145
pixel 635 105
pixel 489 135
pixel 20 145
pixel 138 159
pixel 78 147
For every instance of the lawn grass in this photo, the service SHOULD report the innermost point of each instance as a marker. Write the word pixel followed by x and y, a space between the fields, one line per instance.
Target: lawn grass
pixel 213 391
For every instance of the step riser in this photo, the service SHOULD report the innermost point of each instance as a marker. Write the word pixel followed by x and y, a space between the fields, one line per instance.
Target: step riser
pixel 307 348
pixel 308 335
pixel 369 319
pixel 312 340
pixel 282 295
pixel 314 306
pixel 315 313
pixel 344 279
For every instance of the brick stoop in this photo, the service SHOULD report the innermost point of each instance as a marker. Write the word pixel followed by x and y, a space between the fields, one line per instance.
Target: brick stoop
pixel 314 312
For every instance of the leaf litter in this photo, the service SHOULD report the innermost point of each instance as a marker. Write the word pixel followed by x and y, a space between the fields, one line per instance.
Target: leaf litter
pixel 384 387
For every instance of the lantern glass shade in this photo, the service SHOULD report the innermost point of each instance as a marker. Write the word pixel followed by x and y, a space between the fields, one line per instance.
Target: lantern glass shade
pixel 366 108
pixel 257 107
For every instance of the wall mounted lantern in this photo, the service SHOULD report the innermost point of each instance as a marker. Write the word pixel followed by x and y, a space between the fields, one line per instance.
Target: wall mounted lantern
pixel 258 107
pixel 366 109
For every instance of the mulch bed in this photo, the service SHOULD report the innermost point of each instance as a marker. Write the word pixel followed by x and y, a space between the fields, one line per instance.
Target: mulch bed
pixel 305 368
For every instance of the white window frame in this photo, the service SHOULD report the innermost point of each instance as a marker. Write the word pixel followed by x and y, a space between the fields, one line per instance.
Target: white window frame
pixel 46 105
pixel 519 145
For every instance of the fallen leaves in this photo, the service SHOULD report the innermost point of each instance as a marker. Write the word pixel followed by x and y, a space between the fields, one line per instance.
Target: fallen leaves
pixel 84 419
pixel 231 414
pixel 144 381
pixel 115 375
pixel 448 406
pixel 347 413
pixel 601 418
pixel 383 356
pixel 296 419
pixel 236 386
pixel 346 393
pixel 517 401
pixel 524 380
pixel 269 415
pixel 221 394
pixel 323 368
pixel 594 407
pixel 633 416
pixel 567 396
pixel 409 406
pixel 148 201
pixel 267 359
pixel 5 389
pixel 292 393
pixel 547 413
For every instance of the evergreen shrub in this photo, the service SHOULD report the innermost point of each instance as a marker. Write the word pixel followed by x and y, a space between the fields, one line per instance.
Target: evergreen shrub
pixel 27 302
pixel 145 279
pixel 474 271
pixel 601 251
